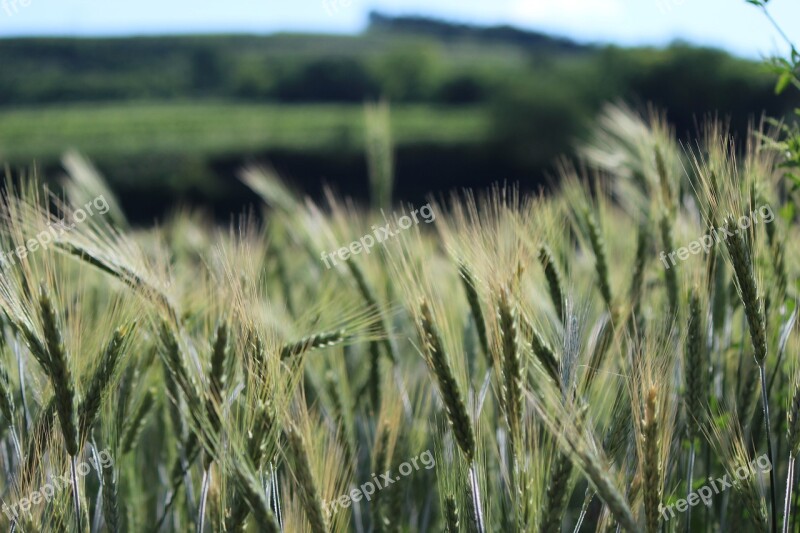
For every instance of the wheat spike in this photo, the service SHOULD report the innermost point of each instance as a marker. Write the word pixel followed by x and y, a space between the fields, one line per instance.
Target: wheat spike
pixel 312 342
pixel 695 364
pixel 101 380
pixel 555 282
pixel 598 244
pixel 546 356
pixel 473 299
pixel 137 422
pixel 670 274
pixel 309 493
pixel 60 373
pixel 512 361
pixel 451 395
pixel 652 465
pixel 746 281
pixel 451 515
pixel 556 495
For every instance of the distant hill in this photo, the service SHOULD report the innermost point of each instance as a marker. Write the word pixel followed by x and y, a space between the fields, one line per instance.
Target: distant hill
pixel 470 104
pixel 423 26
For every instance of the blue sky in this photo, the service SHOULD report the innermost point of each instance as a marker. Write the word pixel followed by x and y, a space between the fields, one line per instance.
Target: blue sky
pixel 731 24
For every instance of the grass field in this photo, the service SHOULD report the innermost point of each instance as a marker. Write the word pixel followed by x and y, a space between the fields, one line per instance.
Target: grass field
pixel 215 128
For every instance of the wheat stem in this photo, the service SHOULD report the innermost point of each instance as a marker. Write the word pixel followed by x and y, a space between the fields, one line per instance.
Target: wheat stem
pixel 772 488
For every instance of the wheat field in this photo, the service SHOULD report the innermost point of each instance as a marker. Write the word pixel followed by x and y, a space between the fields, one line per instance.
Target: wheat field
pixel 616 355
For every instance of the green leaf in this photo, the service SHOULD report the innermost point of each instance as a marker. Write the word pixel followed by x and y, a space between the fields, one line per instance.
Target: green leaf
pixel 783 82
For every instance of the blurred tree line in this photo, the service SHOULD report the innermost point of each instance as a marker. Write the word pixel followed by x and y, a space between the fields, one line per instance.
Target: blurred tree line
pixel 541 91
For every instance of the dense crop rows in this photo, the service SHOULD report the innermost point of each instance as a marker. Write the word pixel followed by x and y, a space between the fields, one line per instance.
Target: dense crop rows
pixel 519 364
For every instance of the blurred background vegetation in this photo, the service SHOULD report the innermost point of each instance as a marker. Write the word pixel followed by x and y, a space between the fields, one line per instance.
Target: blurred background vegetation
pixel 172 119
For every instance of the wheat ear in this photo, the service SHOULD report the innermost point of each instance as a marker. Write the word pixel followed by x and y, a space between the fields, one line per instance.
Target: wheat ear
pixel 216 378
pixel 556 494
pixel 670 274
pixel 312 342
pixel 451 524
pixel 372 302
pixel 639 267
pixel 64 390
pixel 512 362
pixel 219 355
pixel 380 463
pixel 546 355
pixel 110 500
pixel 473 299
pixel 137 422
pixel 448 387
pixel 59 372
pixel 695 363
pixel 253 494
pixel 256 447
pixel 652 465
pixel 101 379
pixel 695 373
pixel 555 283
pixel 598 244
pixel 217 382
pixel 6 398
pixel 756 321
pixel 309 494
pixel 743 269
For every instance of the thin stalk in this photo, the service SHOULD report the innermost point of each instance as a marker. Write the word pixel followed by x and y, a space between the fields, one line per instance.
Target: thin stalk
pixel 23 395
pixel 76 498
pixel 689 476
pixel 787 503
pixel 203 499
pixel 180 479
pixel 17 447
pixel 587 500
pixel 777 26
pixel 767 428
pixel 794 504
pixel 476 500
pixel 276 501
